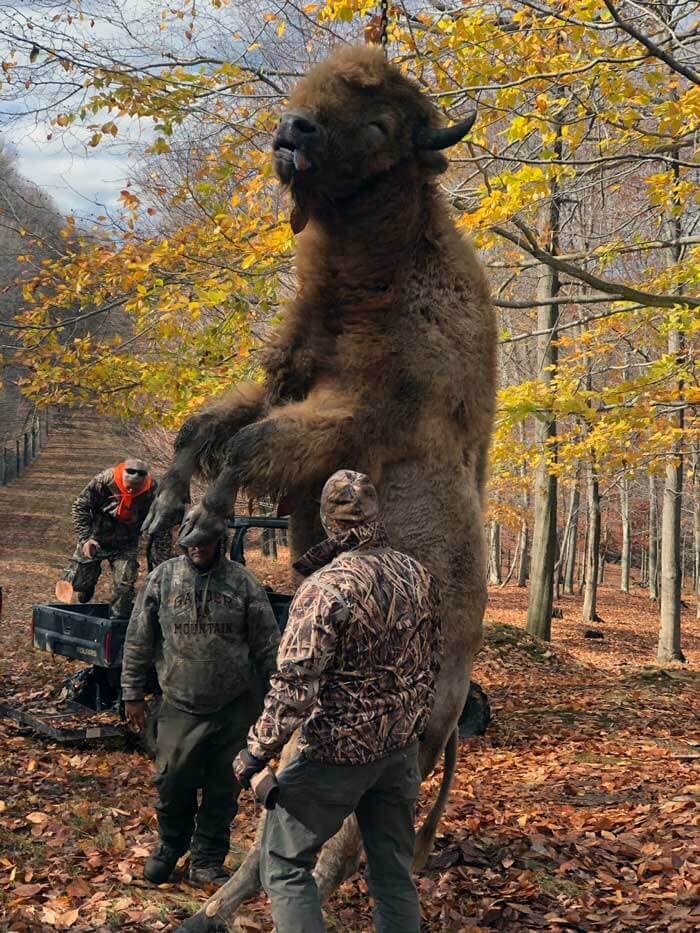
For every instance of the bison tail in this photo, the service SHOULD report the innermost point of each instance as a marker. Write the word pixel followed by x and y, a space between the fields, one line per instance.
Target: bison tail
pixel 426 834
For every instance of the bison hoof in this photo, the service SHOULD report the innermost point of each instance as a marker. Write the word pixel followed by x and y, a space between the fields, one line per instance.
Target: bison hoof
pixel 200 923
pixel 166 512
pixel 476 714
pixel 201 525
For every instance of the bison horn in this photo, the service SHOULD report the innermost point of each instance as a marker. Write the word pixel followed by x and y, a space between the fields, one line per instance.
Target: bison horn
pixel 428 137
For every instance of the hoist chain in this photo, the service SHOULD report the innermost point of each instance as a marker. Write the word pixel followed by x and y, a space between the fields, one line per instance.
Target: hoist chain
pixel 384 26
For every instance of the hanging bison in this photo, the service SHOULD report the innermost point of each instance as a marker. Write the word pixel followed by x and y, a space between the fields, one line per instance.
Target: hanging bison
pixel 385 362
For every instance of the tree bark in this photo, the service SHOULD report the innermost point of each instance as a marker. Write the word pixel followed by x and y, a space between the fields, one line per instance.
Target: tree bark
pixel 626 554
pixel 524 539
pixel 544 539
pixel 571 542
pixel 593 547
pixel 653 566
pixel 603 556
pixel 544 535
pixel 696 525
pixel 524 548
pixel 669 648
pixel 494 554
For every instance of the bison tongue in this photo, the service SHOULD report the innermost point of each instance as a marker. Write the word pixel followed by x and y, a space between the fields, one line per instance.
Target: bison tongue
pixel 301 163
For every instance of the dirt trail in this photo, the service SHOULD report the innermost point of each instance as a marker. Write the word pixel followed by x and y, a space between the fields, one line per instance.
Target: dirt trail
pixel 37 531
pixel 38 537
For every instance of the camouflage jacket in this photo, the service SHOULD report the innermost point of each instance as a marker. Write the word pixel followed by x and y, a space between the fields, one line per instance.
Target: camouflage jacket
pixel 210 635
pixel 359 656
pixel 92 518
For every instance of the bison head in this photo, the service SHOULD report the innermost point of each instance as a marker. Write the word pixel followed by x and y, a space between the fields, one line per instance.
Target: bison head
pixel 352 118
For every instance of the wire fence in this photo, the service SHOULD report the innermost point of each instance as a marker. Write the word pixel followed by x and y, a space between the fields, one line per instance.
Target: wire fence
pixel 19 452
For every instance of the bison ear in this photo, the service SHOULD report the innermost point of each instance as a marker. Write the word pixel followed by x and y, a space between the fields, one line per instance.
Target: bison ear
pixel 298 218
pixel 432 139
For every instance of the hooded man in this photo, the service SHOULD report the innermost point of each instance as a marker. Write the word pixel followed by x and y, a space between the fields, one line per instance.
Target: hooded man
pixel 107 516
pixel 356 670
pixel 207 625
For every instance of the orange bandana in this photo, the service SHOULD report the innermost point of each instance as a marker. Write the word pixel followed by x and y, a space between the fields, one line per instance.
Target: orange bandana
pixel 124 511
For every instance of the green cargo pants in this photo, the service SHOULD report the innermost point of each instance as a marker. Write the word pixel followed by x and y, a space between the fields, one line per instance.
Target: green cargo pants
pixel 196 753
pixel 314 800
pixel 83 575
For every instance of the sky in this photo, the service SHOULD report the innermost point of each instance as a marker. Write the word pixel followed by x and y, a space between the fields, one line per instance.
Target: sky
pixel 81 180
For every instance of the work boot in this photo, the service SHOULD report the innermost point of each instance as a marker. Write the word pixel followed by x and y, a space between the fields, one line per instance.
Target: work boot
pixel 160 864
pixel 201 875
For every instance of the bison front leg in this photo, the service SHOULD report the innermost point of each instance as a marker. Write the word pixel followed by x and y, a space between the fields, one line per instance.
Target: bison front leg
pixel 200 447
pixel 292 449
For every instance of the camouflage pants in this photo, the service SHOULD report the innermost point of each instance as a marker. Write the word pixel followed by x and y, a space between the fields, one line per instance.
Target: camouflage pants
pixel 314 800
pixel 196 753
pixel 83 575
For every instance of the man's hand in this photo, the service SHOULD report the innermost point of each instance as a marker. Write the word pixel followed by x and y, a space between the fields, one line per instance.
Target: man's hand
pixel 90 548
pixel 245 766
pixel 135 711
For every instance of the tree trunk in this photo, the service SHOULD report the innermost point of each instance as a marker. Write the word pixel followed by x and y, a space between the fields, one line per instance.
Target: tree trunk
pixel 544 535
pixel 669 648
pixel 593 547
pixel 582 559
pixel 670 632
pixel 653 566
pixel 524 548
pixel 626 555
pixel 524 540
pixel 494 554
pixel 571 542
pixel 696 526
pixel 602 559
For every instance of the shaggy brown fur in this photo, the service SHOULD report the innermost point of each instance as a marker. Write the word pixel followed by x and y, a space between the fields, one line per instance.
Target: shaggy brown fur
pixel 384 363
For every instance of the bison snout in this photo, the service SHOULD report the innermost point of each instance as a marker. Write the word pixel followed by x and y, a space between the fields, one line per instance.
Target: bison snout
pixel 296 127
pixel 297 134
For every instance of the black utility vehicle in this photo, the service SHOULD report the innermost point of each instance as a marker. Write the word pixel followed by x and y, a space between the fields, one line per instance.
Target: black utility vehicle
pixel 86 633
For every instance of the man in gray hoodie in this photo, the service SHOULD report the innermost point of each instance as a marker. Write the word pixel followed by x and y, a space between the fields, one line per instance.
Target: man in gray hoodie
pixel 207 625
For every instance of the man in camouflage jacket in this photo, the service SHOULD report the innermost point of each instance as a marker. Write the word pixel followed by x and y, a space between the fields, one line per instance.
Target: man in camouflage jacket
pixel 207 625
pixel 107 516
pixel 356 670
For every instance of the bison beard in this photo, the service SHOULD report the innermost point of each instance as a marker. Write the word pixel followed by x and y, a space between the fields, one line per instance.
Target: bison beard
pixel 384 363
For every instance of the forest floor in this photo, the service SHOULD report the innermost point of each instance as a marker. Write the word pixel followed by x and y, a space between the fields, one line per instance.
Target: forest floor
pixel 577 811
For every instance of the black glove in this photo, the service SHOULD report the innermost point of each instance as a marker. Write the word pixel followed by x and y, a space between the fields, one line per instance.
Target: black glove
pixel 245 766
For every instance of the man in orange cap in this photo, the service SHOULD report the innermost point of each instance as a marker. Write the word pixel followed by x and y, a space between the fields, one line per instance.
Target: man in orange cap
pixel 108 515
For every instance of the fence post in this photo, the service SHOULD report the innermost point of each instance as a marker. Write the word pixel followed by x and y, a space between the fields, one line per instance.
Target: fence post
pixel 2 467
pixel 26 453
pixel 36 436
pixel 19 459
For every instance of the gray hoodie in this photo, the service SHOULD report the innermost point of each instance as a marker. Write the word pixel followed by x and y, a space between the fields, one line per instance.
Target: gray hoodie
pixel 207 632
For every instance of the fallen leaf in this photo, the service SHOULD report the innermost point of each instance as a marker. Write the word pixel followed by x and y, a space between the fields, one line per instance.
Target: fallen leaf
pixel 37 817
pixel 28 890
pixel 65 921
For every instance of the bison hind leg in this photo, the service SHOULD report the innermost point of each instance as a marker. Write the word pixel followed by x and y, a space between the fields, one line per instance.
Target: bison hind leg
pixel 339 859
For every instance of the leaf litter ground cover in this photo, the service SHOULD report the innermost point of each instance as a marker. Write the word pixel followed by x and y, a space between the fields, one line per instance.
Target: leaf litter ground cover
pixel 577 811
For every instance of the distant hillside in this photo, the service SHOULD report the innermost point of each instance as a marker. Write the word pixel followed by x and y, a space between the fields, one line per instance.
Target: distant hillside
pixel 29 224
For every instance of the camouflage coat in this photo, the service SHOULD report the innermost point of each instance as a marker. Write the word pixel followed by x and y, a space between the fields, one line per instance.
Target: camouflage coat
pixel 359 656
pixel 210 634
pixel 92 516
